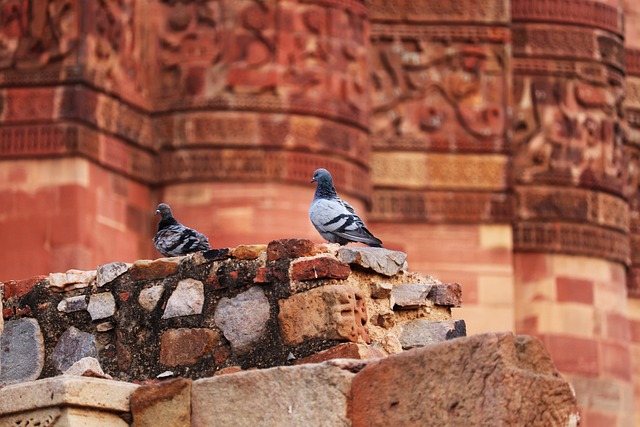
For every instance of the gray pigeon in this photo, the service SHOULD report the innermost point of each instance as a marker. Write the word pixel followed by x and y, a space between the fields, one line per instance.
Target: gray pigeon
pixel 173 238
pixel 334 218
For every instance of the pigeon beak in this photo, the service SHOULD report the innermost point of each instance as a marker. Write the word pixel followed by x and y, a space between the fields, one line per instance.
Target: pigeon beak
pixel 313 180
pixel 157 212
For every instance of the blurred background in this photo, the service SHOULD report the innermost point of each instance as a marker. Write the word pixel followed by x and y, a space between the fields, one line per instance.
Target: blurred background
pixel 497 143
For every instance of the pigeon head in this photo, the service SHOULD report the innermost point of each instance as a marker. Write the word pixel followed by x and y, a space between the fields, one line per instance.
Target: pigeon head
pixel 164 210
pixel 322 176
pixel 325 188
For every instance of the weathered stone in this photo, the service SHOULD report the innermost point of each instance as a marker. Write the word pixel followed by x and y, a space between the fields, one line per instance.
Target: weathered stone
pixel 446 294
pixel 164 404
pixel 328 312
pixel 104 326
pixel 489 379
pixel 72 279
pixel 149 297
pixel 72 346
pixel 421 332
pixel 21 351
pixel 243 318
pixel 186 300
pixel 184 347
pixel 17 288
pixel 72 304
pixel 409 295
pixel 1 317
pixel 107 273
pixel 205 257
pixel 154 269
pixel 289 248
pixel 347 350
pixel 101 306
pixel 87 367
pixel 81 401
pixel 380 290
pixel 319 267
pixel 228 370
pixel 380 260
pixel 303 395
pixel 248 251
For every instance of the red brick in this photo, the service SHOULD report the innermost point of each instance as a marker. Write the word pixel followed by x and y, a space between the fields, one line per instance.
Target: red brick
pixel 124 296
pixel 322 267
pixel 570 289
pixel 616 360
pixel 597 419
pixel 18 288
pixel 289 248
pixel 8 312
pixel 447 294
pixel 532 267
pixel 573 355
pixel 184 347
pixel 634 328
pixel 348 350
pixel 618 327
pixel 528 325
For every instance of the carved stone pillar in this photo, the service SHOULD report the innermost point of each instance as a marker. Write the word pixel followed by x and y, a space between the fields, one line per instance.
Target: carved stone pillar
pixel 252 97
pixel 570 179
pixel 440 84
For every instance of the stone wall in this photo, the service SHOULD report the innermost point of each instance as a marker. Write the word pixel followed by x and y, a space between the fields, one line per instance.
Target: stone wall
pixel 257 306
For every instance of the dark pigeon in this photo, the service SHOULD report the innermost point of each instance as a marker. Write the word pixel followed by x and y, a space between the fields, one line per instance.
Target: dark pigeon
pixel 174 239
pixel 334 218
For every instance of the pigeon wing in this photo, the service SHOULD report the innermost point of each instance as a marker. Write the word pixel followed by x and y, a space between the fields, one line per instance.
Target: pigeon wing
pixel 179 240
pixel 339 218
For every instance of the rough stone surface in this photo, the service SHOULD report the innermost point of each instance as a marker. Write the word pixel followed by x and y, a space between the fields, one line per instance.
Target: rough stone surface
pixel 488 379
pixel 186 300
pixel 72 304
pixel 72 279
pixel 87 367
pixel 248 251
pixel 166 404
pixel 420 332
pixel 329 312
pixel 290 248
pixel 72 346
pixel 184 347
pixel 17 288
pixel 348 350
pixel 154 269
pixel 243 318
pixel 446 294
pixel 149 297
pixel 101 306
pixel 21 351
pixel 380 260
pixel 409 295
pixel 319 267
pixel 107 273
pixel 380 290
pixel 303 395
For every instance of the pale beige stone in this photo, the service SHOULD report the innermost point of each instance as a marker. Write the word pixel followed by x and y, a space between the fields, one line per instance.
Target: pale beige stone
pixel 72 279
pixel 305 395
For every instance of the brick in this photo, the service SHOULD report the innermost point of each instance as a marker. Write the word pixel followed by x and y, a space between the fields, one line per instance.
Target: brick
pixel 616 360
pixel 289 248
pixel 617 327
pixel 446 294
pixel 320 267
pixel 8 312
pixel 598 419
pixel 154 269
pixel 348 350
pixel 570 289
pixel 184 347
pixel 573 355
pixel 634 328
pixel 530 267
pixel 18 288
pixel 248 251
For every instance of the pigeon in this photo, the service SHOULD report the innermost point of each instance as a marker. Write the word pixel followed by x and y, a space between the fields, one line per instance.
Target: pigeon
pixel 173 238
pixel 335 219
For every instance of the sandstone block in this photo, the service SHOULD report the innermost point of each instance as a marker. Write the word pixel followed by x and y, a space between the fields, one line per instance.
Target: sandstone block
pixel 167 403
pixel 184 347
pixel 446 294
pixel 101 306
pixel 328 312
pixel 186 300
pixel 72 346
pixel 319 267
pixel 149 297
pixel 72 304
pixel 348 350
pixel 154 269
pixel 421 332
pixel 72 279
pixel 21 351
pixel 487 379
pixel 380 260
pixel 248 251
pixel 289 248
pixel 243 318
pixel 409 295
pixel 107 273
pixel 303 395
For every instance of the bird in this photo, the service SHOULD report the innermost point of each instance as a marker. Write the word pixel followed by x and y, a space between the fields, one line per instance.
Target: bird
pixel 335 219
pixel 173 238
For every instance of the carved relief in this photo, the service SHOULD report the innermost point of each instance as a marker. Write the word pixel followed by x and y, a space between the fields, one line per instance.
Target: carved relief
pixel 37 32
